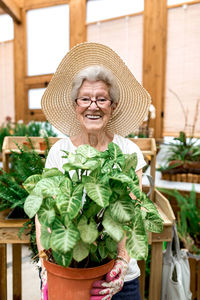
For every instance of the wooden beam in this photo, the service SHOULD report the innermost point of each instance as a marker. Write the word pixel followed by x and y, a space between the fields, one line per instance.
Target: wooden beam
pixel 77 16
pixel 12 9
pixel 154 57
pixel 19 68
pixel 34 4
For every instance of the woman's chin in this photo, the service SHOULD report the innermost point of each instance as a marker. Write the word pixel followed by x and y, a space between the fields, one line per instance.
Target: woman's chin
pixel 93 128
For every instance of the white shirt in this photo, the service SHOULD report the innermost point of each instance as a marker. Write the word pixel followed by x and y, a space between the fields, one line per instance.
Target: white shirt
pixel 55 160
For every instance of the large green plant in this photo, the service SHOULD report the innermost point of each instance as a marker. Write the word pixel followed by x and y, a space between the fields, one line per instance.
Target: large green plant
pixel 188 223
pixel 89 212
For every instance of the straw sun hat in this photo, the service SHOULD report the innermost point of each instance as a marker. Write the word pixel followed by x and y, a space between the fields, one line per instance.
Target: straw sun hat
pixel 58 108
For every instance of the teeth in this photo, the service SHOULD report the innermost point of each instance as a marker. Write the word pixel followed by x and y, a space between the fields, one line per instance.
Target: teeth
pixel 93 117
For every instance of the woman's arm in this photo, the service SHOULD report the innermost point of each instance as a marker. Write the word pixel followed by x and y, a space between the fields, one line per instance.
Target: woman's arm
pixel 38 234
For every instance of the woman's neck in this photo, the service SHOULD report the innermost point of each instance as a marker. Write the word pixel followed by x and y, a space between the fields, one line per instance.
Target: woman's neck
pixel 99 141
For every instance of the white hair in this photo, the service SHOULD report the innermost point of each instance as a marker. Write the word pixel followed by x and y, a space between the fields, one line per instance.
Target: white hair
pixel 95 73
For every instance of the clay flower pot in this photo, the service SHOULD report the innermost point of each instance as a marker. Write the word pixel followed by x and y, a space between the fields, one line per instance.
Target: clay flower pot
pixel 27 145
pixel 71 283
pixel 43 146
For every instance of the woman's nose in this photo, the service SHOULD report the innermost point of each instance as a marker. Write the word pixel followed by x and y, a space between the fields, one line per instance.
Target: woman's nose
pixel 93 106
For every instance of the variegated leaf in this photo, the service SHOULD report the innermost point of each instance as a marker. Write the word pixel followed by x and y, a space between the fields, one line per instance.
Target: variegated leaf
pixel 64 239
pixel 113 229
pixel 80 251
pixel 99 193
pixel 88 231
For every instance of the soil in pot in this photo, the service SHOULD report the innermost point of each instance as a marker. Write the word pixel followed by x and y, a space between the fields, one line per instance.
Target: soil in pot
pixel 71 283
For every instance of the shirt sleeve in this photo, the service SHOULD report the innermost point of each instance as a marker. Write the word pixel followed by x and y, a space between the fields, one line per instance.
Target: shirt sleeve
pixel 53 159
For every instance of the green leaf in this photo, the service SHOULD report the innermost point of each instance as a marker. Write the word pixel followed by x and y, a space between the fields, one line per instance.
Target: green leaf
pixel 47 214
pixel 99 193
pixel 116 154
pixel 51 173
pixel 32 205
pixel 122 210
pixel 137 243
pixel 50 186
pixel 121 177
pixel 64 239
pixel 91 209
pixel 93 248
pixel 80 251
pixel 87 151
pixel 153 222
pixel 63 259
pixel 31 182
pixel 111 245
pixel 108 166
pixel 112 228
pixel 130 162
pixel 45 237
pixel 103 251
pixel 70 204
pixel 88 231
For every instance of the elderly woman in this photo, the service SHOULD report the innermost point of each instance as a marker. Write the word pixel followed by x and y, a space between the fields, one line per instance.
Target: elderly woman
pixel 95 100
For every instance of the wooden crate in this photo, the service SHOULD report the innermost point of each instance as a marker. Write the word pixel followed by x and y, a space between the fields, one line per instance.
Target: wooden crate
pixel 10 144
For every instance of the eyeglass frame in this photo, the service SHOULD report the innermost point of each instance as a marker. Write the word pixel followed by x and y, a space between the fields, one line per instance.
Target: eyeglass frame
pixel 91 101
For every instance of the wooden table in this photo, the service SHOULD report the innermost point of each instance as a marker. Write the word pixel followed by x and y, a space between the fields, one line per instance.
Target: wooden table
pixel 9 230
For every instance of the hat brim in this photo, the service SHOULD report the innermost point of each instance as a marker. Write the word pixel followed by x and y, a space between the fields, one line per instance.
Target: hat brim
pixel 58 108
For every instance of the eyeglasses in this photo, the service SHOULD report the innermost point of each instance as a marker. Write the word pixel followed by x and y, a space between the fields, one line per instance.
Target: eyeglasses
pixel 87 101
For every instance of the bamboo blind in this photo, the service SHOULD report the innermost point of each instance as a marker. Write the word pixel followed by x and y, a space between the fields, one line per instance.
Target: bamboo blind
pixel 124 35
pixel 183 69
pixel 6 81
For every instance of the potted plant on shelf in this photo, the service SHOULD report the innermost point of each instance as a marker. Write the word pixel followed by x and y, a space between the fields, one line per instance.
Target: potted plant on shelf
pixel 183 163
pixel 85 214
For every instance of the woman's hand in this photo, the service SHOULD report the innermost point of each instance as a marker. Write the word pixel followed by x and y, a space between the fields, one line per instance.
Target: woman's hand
pixel 104 290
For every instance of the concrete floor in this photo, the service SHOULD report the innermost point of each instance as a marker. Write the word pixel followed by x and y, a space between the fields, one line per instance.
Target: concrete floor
pixel 30 277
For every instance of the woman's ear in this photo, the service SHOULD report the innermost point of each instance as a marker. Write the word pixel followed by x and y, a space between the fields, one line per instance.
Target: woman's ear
pixel 114 105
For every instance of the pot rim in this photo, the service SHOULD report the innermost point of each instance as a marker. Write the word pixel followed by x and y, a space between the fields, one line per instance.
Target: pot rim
pixel 78 273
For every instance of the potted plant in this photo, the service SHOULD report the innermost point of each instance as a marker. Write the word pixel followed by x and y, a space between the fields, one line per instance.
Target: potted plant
pixel 183 162
pixel 83 216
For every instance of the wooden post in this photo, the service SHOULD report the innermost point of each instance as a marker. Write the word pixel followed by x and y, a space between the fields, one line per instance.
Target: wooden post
pixel 154 57
pixel 19 69
pixel 3 272
pixel 77 17
pixel 155 271
pixel 17 276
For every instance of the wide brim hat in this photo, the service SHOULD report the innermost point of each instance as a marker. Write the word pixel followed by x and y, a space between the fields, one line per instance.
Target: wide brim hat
pixel 134 100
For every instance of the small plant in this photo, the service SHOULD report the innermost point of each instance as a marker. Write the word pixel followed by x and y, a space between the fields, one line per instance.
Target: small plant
pixel 183 156
pixel 26 162
pixel 85 214
pixel 9 128
pixel 188 219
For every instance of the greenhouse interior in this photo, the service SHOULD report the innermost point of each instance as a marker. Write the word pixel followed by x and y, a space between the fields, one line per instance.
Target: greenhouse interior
pixel 99 149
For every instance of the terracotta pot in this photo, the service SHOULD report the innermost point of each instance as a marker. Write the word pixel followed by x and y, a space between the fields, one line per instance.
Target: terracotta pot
pixel 71 283
pixel 27 145
pixel 43 146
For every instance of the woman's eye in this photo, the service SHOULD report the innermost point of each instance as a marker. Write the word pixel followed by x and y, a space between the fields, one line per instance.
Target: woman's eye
pixel 85 99
pixel 101 99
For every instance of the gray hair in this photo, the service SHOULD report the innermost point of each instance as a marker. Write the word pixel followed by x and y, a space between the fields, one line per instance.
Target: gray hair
pixel 95 73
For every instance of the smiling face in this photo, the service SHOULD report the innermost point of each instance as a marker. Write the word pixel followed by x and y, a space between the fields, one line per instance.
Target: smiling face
pixel 94 119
